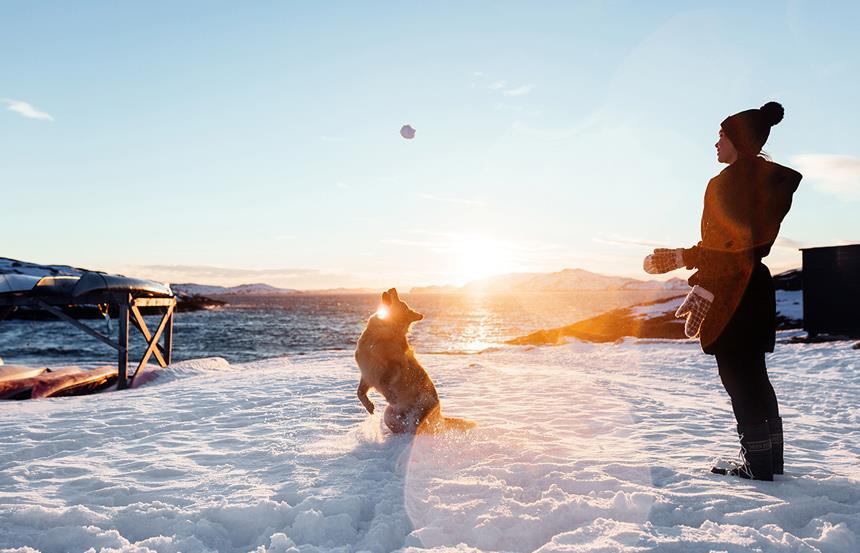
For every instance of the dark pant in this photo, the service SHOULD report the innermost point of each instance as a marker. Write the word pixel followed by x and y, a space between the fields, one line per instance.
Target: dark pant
pixel 744 376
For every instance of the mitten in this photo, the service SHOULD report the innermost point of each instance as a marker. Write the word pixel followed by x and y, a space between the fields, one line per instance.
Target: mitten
pixel 695 308
pixel 663 260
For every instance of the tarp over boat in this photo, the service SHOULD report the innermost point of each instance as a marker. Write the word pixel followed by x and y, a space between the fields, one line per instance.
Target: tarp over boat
pixel 89 283
pixel 10 283
pixel 100 282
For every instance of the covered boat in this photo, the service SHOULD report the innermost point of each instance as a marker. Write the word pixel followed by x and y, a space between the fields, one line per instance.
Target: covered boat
pixel 21 382
pixel 125 298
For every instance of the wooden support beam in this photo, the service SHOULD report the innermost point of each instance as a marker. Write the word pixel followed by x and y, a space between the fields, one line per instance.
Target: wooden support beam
pixel 154 302
pixel 154 342
pixel 168 340
pixel 122 335
pixel 141 326
pixel 88 299
pixel 60 315
pixel 129 310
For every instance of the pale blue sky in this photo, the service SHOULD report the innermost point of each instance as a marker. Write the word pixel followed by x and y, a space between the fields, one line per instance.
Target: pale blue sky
pixel 235 142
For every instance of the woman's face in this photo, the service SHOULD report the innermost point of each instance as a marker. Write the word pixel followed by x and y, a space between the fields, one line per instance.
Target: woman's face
pixel 726 152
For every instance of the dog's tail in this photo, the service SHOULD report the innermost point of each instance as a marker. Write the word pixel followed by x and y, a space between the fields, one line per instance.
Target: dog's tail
pixel 454 423
pixel 445 424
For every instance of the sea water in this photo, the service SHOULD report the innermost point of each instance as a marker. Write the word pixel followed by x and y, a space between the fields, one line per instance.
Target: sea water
pixel 248 329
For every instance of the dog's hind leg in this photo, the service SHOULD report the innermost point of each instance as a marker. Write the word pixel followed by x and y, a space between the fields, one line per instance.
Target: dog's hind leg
pixel 395 420
pixel 402 420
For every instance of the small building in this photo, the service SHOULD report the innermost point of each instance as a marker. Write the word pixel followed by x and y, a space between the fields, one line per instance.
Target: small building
pixel 831 290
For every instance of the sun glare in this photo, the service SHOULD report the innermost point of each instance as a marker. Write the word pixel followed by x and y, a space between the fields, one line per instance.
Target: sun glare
pixel 382 312
pixel 481 258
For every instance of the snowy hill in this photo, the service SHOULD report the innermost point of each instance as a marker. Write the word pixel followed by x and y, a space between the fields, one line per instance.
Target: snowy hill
pixel 561 281
pixel 258 289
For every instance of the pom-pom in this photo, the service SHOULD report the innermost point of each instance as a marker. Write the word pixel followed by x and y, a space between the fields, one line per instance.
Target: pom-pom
pixel 773 112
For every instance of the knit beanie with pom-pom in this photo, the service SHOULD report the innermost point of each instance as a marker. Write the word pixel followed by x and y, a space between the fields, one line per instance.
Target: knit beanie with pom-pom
pixel 748 130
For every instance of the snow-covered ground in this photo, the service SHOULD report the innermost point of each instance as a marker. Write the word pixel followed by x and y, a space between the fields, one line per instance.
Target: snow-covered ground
pixel 16 267
pixel 583 447
pixel 789 304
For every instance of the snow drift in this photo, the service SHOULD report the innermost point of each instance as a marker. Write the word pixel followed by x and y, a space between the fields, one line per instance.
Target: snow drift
pixel 584 447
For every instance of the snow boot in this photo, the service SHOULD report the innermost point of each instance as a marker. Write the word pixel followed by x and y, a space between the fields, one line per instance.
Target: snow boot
pixel 775 426
pixel 756 461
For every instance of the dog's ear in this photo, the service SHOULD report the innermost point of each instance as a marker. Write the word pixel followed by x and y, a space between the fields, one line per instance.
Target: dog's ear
pixel 386 299
pixel 393 293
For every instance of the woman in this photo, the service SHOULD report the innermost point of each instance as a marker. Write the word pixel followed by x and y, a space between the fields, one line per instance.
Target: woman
pixel 732 307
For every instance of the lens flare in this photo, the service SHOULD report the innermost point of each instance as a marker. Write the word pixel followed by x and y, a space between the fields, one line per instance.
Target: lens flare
pixel 382 312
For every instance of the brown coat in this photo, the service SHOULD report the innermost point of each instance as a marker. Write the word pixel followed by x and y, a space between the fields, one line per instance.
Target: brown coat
pixel 743 209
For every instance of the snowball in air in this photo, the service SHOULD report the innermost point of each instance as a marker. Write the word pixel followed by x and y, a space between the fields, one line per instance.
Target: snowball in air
pixel 407 132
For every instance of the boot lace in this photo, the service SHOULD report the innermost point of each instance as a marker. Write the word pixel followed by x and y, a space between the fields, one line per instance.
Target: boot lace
pixel 742 466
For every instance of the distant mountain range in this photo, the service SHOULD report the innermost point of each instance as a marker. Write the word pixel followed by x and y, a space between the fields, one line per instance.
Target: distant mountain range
pixel 567 280
pixel 561 281
pixel 260 289
pixel 257 289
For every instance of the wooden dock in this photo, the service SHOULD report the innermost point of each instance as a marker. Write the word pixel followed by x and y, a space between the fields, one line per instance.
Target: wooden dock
pixel 128 305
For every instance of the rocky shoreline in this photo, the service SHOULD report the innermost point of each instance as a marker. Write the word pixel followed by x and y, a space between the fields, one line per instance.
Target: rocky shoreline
pixel 656 319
